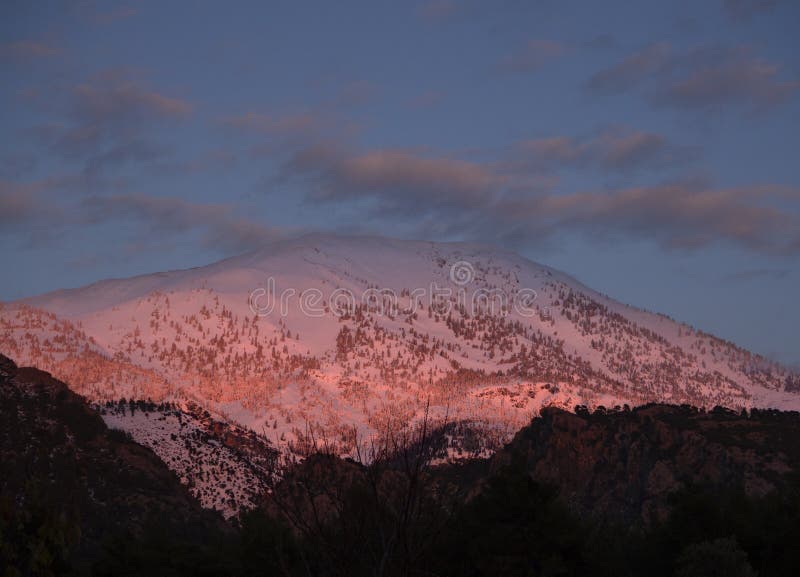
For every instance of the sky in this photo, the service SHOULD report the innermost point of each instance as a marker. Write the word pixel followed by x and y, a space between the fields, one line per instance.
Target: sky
pixel 650 149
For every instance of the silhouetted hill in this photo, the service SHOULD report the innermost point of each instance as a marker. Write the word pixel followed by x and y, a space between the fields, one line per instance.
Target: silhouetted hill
pixel 625 464
pixel 658 490
pixel 71 489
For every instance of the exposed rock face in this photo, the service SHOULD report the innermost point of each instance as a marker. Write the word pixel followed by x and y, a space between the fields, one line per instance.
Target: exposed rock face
pixel 624 465
pixel 66 479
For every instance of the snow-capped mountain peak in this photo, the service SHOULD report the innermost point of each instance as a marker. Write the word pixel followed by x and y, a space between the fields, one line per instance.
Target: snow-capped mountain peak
pixel 346 333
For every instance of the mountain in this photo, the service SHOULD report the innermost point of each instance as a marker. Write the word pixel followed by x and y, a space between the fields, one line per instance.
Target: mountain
pixel 331 339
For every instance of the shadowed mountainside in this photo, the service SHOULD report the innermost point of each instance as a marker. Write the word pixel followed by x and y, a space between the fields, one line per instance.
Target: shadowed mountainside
pixel 71 488
pixel 625 465
pixel 659 490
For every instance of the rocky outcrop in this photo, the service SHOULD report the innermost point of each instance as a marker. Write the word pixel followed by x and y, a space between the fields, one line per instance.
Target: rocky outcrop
pixel 624 465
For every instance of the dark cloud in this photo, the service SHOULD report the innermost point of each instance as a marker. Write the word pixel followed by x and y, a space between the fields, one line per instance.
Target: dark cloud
pixel 270 124
pixel 356 93
pixel 427 99
pixel 746 9
pixel 437 10
pixel 678 215
pixel 109 120
pixel 26 50
pixel 27 215
pixel 757 274
pixel 397 179
pixel 113 97
pixel 218 224
pixel 467 199
pixel 711 77
pixel 100 13
pixel 276 135
pixel 38 213
pixel 604 41
pixel 217 160
pixel 706 78
pixel 112 130
pixel 18 205
pixel 134 152
pixel 13 166
pixel 612 149
pixel 120 13
pixel 631 70
pixel 531 57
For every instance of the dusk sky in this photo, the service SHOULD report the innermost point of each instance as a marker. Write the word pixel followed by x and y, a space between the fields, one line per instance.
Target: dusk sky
pixel 650 149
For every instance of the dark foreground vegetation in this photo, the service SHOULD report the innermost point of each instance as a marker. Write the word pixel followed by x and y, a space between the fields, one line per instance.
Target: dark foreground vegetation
pixel 657 490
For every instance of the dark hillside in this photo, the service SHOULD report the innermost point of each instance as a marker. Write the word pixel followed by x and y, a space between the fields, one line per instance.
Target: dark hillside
pixel 70 488
pixel 624 465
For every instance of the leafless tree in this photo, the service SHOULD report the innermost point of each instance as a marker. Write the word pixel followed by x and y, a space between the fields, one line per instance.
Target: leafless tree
pixel 377 514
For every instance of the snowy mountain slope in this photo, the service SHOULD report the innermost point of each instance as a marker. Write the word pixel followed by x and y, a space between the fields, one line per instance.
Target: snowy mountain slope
pixel 225 467
pixel 342 337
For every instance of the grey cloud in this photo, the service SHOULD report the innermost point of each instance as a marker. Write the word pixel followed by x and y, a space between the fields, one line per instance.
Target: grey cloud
pixel 112 123
pixel 757 274
pixel 629 150
pixel 136 151
pixel 98 12
pixel 745 9
pixel 217 160
pixel 437 10
pixel 632 70
pixel 219 226
pixel 27 215
pixel 14 165
pixel 705 78
pixel 37 213
pixel 26 50
pixel 711 77
pixel 532 56
pixel 612 149
pixel 18 206
pixel 279 134
pixel 426 99
pixel 679 215
pixel 121 13
pixel 452 197
pixel 397 179
pixel 273 124
pixel 117 99
pixel 108 120
pixel 604 41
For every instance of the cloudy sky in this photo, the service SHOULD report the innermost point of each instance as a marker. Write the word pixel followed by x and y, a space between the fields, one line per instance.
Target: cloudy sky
pixel 648 148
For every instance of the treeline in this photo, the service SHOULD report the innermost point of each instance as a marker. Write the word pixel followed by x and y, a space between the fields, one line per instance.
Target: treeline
pixel 77 500
pixel 398 516
pixel 514 527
